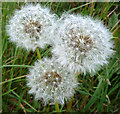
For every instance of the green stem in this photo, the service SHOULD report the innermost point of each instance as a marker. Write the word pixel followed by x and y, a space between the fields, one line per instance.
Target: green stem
pixel 47 108
pixel 57 106
pixel 69 105
pixel 38 53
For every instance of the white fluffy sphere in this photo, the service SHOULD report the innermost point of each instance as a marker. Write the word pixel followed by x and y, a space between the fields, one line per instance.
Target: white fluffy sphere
pixel 81 43
pixel 29 27
pixel 51 82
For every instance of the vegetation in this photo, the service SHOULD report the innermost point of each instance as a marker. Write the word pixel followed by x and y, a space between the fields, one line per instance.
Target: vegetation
pixel 96 93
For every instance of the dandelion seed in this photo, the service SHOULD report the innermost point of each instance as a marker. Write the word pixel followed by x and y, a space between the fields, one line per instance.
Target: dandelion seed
pixel 49 75
pixel 57 79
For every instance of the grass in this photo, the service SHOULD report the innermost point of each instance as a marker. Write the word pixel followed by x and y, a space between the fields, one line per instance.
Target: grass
pixel 97 92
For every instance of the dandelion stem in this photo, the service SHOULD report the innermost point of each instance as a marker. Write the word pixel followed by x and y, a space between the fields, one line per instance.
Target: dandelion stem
pixel 70 101
pixel 38 53
pixel 47 108
pixel 69 105
pixel 57 106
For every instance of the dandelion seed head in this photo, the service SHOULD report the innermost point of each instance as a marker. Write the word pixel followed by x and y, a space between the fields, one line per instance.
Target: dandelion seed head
pixel 82 43
pixel 56 83
pixel 28 26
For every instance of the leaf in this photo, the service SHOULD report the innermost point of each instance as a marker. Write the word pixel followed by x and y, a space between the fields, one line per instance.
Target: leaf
pixel 113 20
pixel 99 6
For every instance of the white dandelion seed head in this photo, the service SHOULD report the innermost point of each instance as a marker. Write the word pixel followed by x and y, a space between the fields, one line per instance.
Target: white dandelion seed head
pixel 29 27
pixel 55 84
pixel 82 43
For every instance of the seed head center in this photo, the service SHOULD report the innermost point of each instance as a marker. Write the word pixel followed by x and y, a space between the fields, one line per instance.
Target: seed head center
pixel 32 28
pixel 79 42
pixel 52 78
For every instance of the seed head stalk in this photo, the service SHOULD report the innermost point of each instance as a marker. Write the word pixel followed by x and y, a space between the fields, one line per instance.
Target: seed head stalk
pixel 69 105
pixel 57 107
pixel 38 53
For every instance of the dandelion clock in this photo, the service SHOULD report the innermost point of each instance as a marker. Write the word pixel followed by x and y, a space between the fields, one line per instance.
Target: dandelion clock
pixel 82 43
pixel 29 26
pixel 51 82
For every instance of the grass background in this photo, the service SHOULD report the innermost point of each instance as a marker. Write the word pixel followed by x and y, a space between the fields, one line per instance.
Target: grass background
pixel 96 93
